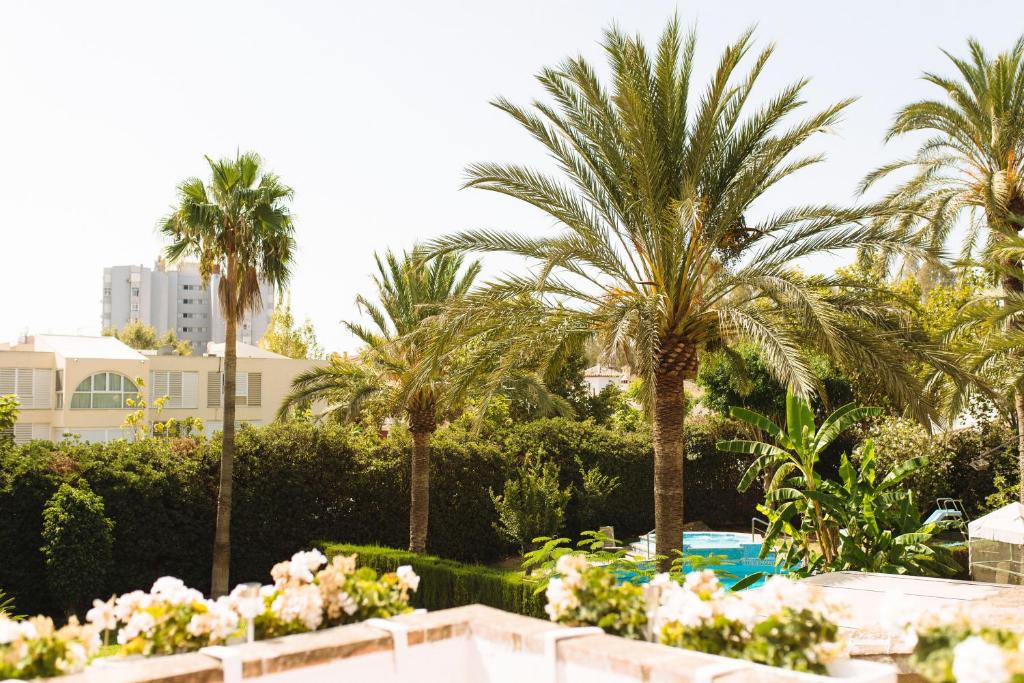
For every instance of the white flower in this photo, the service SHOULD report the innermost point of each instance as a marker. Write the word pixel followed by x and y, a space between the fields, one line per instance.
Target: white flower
pixel 247 607
pixel 677 604
pixel 407 578
pixel 300 603
pixel 305 563
pixel 571 563
pixel 102 615
pixel 661 580
pixel 704 583
pixel 734 608
pixel 11 630
pixel 978 661
pixel 561 599
pixel 140 623
pixel 218 623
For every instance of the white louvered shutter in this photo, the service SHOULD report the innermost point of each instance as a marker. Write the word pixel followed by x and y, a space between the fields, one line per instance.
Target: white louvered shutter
pixel 8 381
pixel 189 390
pixel 24 387
pixel 159 385
pixel 213 390
pixel 241 384
pixel 174 389
pixel 22 433
pixel 41 386
pixel 255 388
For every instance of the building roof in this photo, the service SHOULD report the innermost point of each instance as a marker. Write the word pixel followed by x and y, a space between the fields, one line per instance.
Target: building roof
pixel 1005 524
pixel 70 346
pixel 602 371
pixel 243 350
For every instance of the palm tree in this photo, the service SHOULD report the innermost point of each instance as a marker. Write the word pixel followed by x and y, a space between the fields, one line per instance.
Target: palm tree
pixel 239 226
pixel 971 165
pixel 410 291
pixel 657 255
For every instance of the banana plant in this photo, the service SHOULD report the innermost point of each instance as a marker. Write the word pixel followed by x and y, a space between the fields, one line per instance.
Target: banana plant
pixel 795 489
pixel 862 522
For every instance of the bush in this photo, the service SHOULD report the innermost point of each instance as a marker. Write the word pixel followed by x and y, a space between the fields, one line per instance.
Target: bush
pixel 295 482
pixel 77 546
pixel 973 464
pixel 446 583
pixel 531 505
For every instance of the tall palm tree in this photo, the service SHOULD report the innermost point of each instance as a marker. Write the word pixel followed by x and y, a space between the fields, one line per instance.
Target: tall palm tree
pixel 239 226
pixel 971 166
pixel 410 291
pixel 657 254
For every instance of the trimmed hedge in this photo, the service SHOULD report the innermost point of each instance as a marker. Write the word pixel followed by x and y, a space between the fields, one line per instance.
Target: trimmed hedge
pixel 446 583
pixel 296 482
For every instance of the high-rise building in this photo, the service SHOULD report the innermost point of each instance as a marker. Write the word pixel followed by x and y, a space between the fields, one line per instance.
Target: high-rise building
pixel 175 298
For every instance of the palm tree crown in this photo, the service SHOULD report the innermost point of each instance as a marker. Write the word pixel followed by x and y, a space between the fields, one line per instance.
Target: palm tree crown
pixel 658 254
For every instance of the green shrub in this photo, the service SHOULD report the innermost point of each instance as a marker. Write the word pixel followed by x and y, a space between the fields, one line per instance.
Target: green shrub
pixel 531 505
pixel 446 583
pixel 77 546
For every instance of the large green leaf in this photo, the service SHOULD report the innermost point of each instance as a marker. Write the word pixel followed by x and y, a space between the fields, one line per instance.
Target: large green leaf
pixel 761 422
pixel 841 420
pixel 904 470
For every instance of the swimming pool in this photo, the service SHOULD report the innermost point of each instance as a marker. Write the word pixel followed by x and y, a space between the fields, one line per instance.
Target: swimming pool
pixel 738 552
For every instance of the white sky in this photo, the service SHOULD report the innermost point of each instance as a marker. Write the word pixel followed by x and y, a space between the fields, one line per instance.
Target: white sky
pixel 371 111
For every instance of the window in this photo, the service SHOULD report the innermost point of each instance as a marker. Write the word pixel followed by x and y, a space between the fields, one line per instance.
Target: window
pixel 135 307
pixel 193 329
pixel 180 388
pixel 31 385
pixel 25 433
pixel 193 316
pixel 104 391
pixel 106 292
pixel 190 288
pixel 135 291
pixel 248 389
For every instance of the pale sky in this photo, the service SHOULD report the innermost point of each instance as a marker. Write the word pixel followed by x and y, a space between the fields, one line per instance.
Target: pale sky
pixel 370 111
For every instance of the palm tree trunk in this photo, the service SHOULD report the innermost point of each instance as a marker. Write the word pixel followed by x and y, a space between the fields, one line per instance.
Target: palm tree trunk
pixel 419 508
pixel 422 424
pixel 222 535
pixel 669 416
pixel 1018 402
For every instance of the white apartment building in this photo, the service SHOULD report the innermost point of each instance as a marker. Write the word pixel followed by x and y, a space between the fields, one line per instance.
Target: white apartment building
pixel 174 298
pixel 69 385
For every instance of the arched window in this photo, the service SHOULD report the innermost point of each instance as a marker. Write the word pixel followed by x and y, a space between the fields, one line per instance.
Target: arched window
pixel 104 390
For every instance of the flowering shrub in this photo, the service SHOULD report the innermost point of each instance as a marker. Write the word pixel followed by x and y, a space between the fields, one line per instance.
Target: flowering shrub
pixel 34 648
pixel 949 650
pixel 171 618
pixel 586 595
pixel 785 623
pixel 305 597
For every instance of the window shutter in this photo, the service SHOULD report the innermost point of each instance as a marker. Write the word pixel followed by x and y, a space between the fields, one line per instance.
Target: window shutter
pixel 174 389
pixel 8 381
pixel 41 388
pixel 189 389
pixel 24 387
pixel 159 385
pixel 255 388
pixel 241 384
pixel 213 390
pixel 22 433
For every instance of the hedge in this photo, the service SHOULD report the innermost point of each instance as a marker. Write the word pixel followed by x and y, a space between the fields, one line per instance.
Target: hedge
pixel 296 482
pixel 446 583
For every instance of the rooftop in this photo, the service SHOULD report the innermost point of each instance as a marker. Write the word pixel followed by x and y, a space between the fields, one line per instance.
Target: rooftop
pixel 70 346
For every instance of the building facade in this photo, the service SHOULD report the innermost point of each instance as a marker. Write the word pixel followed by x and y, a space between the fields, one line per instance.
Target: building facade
pixel 68 385
pixel 175 298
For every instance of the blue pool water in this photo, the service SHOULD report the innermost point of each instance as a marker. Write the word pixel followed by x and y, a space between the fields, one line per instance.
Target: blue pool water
pixel 738 553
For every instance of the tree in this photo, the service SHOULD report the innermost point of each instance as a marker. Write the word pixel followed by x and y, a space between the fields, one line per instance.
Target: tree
pixel 283 336
pixel 392 369
pixel 239 226
pixel 531 506
pixel 658 256
pixel 139 335
pixel 8 416
pixel 970 166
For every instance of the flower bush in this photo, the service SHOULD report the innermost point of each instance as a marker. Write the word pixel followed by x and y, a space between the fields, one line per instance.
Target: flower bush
pixel 306 594
pixel 34 648
pixel 785 623
pixel 169 619
pixel 949 650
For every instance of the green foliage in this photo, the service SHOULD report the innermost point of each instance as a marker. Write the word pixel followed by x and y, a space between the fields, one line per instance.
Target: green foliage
pixel 139 335
pixel 77 546
pixel 287 338
pixel 864 522
pixel 446 583
pixel 976 464
pixel 6 605
pixel 740 377
pixel 619 608
pixel 8 417
pixel 531 505
pixel 593 493
pixel 160 493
